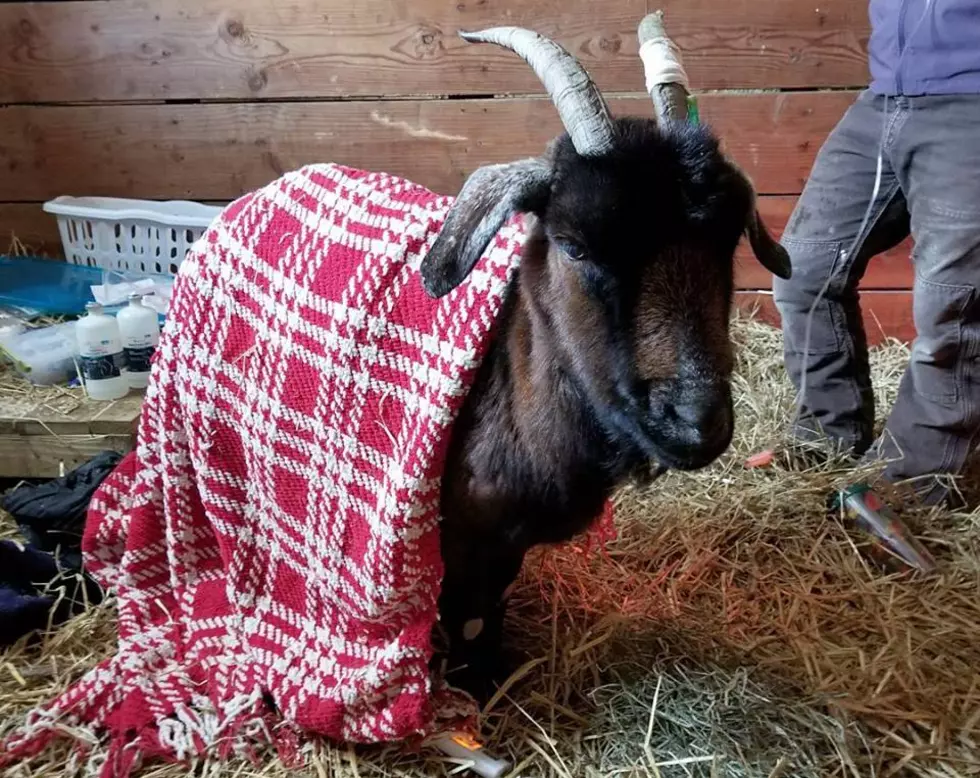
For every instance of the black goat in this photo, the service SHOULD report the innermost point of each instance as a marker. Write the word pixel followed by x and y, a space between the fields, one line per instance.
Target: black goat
pixel 614 351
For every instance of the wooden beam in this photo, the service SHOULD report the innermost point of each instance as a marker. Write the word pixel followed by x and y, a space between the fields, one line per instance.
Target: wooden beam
pixel 44 456
pixel 71 413
pixel 212 49
pixel 69 429
pixel 219 151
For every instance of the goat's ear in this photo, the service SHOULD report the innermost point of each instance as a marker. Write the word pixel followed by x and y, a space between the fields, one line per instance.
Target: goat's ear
pixel 488 198
pixel 766 249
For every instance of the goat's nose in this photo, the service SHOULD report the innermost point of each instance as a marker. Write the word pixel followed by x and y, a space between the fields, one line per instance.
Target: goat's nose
pixel 703 422
pixel 701 415
pixel 693 421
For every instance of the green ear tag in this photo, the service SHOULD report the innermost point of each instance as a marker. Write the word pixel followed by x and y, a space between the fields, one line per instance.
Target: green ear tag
pixel 692 110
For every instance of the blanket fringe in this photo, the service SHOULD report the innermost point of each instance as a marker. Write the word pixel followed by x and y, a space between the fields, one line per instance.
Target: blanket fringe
pixel 245 727
pixel 192 732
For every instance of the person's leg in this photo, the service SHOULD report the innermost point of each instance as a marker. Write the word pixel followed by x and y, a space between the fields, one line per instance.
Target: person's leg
pixel 838 402
pixel 936 417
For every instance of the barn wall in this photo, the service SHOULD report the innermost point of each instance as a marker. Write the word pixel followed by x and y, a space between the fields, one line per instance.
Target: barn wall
pixel 205 99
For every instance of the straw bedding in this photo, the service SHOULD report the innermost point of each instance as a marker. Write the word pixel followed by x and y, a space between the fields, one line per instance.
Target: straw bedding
pixel 732 629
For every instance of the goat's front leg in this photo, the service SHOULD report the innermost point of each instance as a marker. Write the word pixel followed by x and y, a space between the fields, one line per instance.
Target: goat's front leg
pixel 479 569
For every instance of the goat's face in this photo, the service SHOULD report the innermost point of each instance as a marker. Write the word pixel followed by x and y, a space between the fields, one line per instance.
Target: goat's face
pixel 632 266
pixel 629 262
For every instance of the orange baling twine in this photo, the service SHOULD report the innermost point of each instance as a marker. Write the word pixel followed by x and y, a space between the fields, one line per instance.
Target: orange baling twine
pixel 602 531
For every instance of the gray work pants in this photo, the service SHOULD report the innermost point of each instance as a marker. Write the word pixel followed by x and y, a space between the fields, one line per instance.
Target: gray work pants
pixel 930 186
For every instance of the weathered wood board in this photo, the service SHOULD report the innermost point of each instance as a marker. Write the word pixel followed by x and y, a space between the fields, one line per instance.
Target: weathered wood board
pixel 219 151
pixel 268 49
pixel 44 433
pixel 206 100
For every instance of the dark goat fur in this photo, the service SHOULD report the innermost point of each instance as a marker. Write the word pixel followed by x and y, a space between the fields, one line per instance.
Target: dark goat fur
pixel 601 363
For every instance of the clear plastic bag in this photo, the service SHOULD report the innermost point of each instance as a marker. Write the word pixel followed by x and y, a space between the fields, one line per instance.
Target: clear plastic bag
pixel 118 285
pixel 42 355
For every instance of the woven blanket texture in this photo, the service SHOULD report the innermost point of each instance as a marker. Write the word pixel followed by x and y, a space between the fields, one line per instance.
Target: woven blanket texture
pixel 272 541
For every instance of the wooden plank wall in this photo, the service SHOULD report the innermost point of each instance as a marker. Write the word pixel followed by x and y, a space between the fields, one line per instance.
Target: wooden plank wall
pixel 205 99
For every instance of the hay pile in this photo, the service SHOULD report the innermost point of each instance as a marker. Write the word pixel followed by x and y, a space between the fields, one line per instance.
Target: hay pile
pixel 732 630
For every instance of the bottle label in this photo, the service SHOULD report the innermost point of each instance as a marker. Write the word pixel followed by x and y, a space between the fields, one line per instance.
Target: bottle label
pixel 138 359
pixel 102 367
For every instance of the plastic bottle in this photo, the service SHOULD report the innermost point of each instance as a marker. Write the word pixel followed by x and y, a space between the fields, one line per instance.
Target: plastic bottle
pixel 140 331
pixel 866 510
pixel 101 354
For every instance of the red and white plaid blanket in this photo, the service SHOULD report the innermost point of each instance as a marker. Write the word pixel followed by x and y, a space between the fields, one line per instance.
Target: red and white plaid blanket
pixel 273 540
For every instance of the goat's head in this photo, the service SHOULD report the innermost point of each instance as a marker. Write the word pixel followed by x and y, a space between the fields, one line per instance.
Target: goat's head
pixel 630 260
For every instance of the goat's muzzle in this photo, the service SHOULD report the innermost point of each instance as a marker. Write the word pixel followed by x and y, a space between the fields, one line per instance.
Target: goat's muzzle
pixel 692 423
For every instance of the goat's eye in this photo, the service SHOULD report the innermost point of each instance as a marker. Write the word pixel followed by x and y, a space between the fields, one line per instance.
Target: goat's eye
pixel 571 249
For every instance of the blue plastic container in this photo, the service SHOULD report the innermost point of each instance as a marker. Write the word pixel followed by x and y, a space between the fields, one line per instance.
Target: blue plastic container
pixel 50 288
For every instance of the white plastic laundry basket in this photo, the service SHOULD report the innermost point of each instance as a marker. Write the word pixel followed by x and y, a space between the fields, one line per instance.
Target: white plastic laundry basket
pixel 135 235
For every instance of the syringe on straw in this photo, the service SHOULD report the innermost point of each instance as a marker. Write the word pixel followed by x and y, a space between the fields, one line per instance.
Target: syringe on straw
pixel 465 748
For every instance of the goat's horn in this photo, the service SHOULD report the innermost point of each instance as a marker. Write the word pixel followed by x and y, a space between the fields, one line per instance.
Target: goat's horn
pixel 665 75
pixel 580 105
